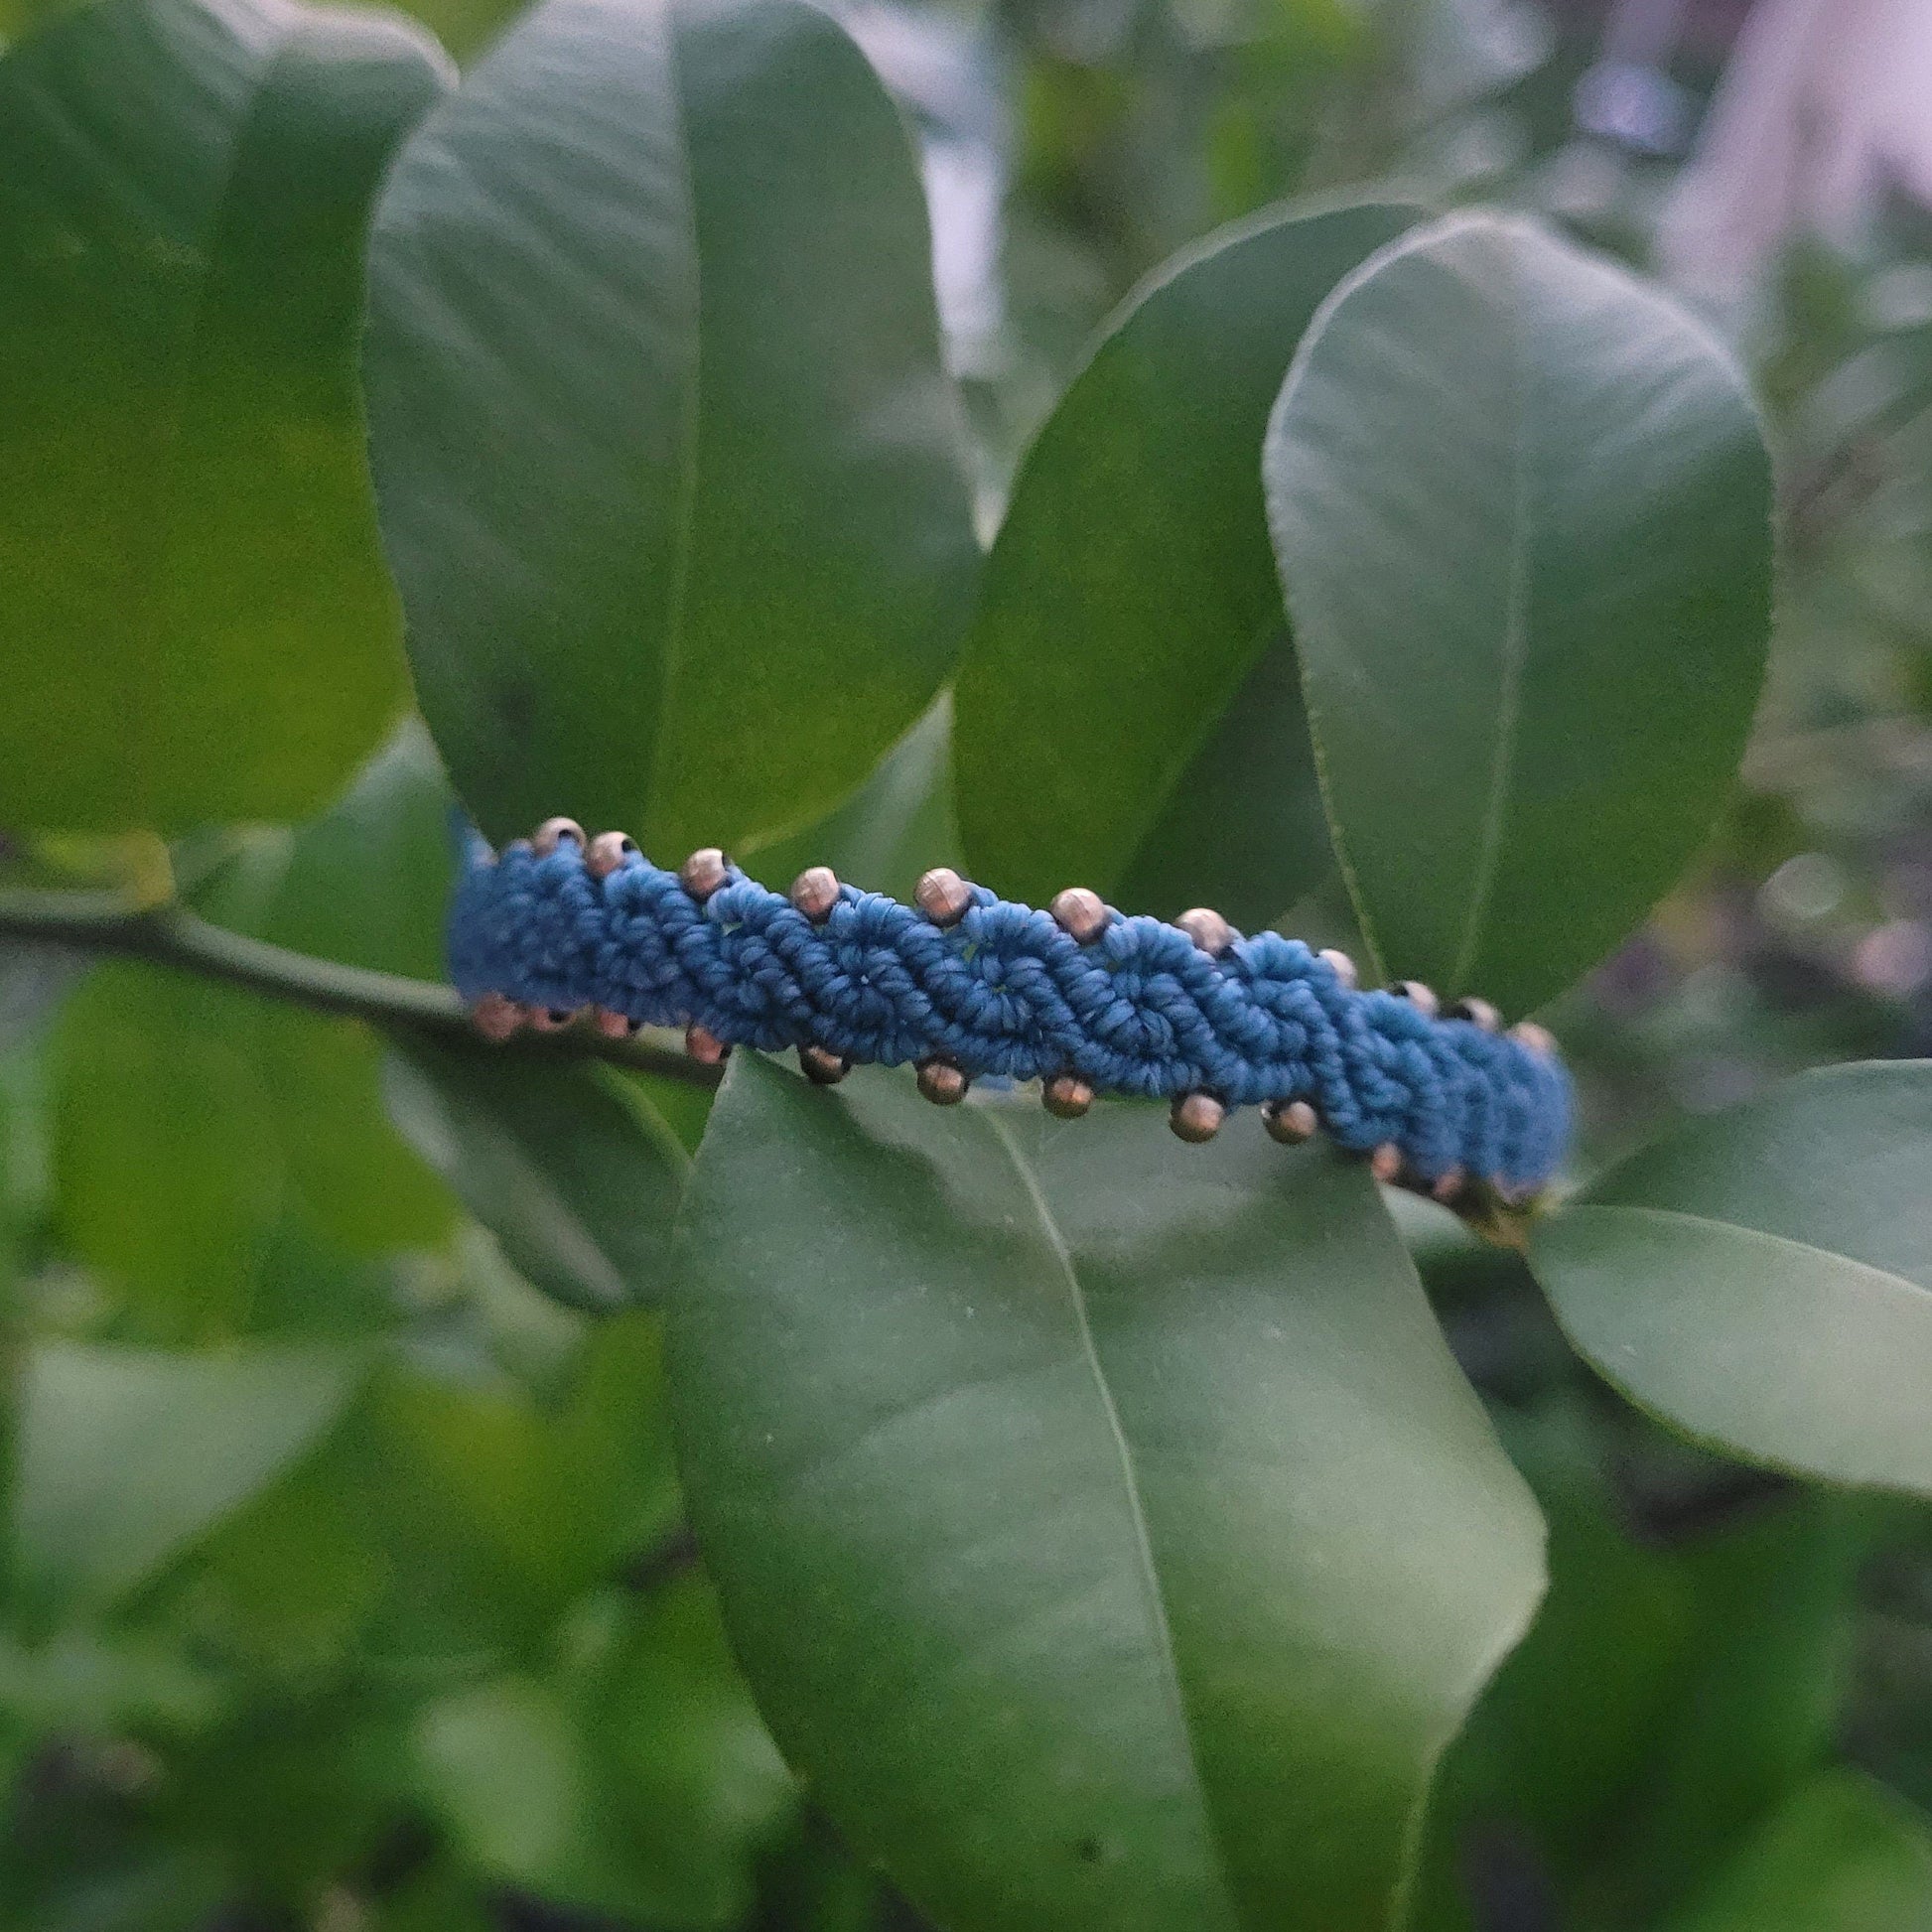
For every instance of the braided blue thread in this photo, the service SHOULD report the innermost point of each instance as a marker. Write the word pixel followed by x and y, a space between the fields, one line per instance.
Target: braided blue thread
pixel 1141 1010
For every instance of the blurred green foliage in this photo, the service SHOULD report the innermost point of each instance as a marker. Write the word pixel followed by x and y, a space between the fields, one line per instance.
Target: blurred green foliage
pixel 346 1582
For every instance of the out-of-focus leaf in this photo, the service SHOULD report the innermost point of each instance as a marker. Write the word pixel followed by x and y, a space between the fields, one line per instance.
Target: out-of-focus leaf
pixel 1109 1539
pixel 637 1783
pixel 91 1684
pixel 1764 1279
pixel 126 1457
pixel 1842 1855
pixel 572 1169
pixel 664 448
pixel 1762 1679
pixel 1131 598
pixel 1521 506
pixel 368 881
pixel 494 1510
pixel 167 1160
pixel 366 1187
pixel 896 825
pixel 197 623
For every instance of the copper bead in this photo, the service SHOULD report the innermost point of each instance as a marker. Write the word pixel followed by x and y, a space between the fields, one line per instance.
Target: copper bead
pixel 822 1066
pixel 550 1019
pixel 495 1017
pixel 552 833
pixel 815 892
pixel 608 851
pixel 943 896
pixel 1207 929
pixel 1539 1039
pixel 1081 914
pixel 942 1082
pixel 1196 1117
pixel 613 1024
pixel 704 1046
pixel 1422 998
pixel 1478 1013
pixel 704 872
pixel 1340 965
pixel 1291 1122
pixel 1066 1096
pixel 1385 1163
pixel 1447 1188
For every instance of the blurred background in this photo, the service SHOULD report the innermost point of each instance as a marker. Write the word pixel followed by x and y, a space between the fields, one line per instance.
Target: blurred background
pixel 436 1656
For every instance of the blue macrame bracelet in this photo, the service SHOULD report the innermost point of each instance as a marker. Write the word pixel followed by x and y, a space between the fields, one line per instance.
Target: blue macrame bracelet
pixel 966 984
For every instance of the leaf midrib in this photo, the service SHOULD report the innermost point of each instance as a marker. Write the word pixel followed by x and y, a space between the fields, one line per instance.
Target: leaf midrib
pixel 1148 1574
pixel 1514 653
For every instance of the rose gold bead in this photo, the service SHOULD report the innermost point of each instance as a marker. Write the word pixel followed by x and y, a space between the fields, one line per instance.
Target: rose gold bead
pixel 1340 965
pixel 551 1019
pixel 943 896
pixel 1080 914
pixel 1385 1163
pixel 495 1016
pixel 1066 1096
pixel 1478 1013
pixel 1539 1039
pixel 824 1067
pixel 1196 1117
pixel 815 892
pixel 552 833
pixel 1421 996
pixel 704 872
pixel 608 851
pixel 942 1083
pixel 704 1046
pixel 1447 1188
pixel 613 1024
pixel 1291 1122
pixel 1207 929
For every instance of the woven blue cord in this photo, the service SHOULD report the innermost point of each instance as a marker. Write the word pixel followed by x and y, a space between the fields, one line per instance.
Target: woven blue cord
pixel 1141 1010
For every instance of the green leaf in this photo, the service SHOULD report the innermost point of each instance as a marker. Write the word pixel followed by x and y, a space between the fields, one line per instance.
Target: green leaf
pixel 1131 597
pixel 1521 506
pixel 168 1159
pixel 635 1783
pixel 197 623
pixel 1764 1279
pixel 126 1457
pixel 1106 1531
pixel 569 1166
pixel 665 453
pixel 1843 1855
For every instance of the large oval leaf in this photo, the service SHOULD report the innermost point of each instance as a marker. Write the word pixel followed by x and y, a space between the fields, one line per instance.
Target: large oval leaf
pixel 1521 505
pixel 665 454
pixel 1764 1279
pixel 1105 1529
pixel 1131 593
pixel 196 624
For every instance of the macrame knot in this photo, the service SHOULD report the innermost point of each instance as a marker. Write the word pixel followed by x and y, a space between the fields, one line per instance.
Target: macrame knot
pixel 966 985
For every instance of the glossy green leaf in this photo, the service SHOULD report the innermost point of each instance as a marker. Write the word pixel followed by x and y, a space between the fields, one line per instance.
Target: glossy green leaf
pixel 186 532
pixel 126 1455
pixel 1763 1279
pixel 569 1166
pixel 665 453
pixel 1108 1535
pixel 1131 598
pixel 1521 506
pixel 1843 1855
